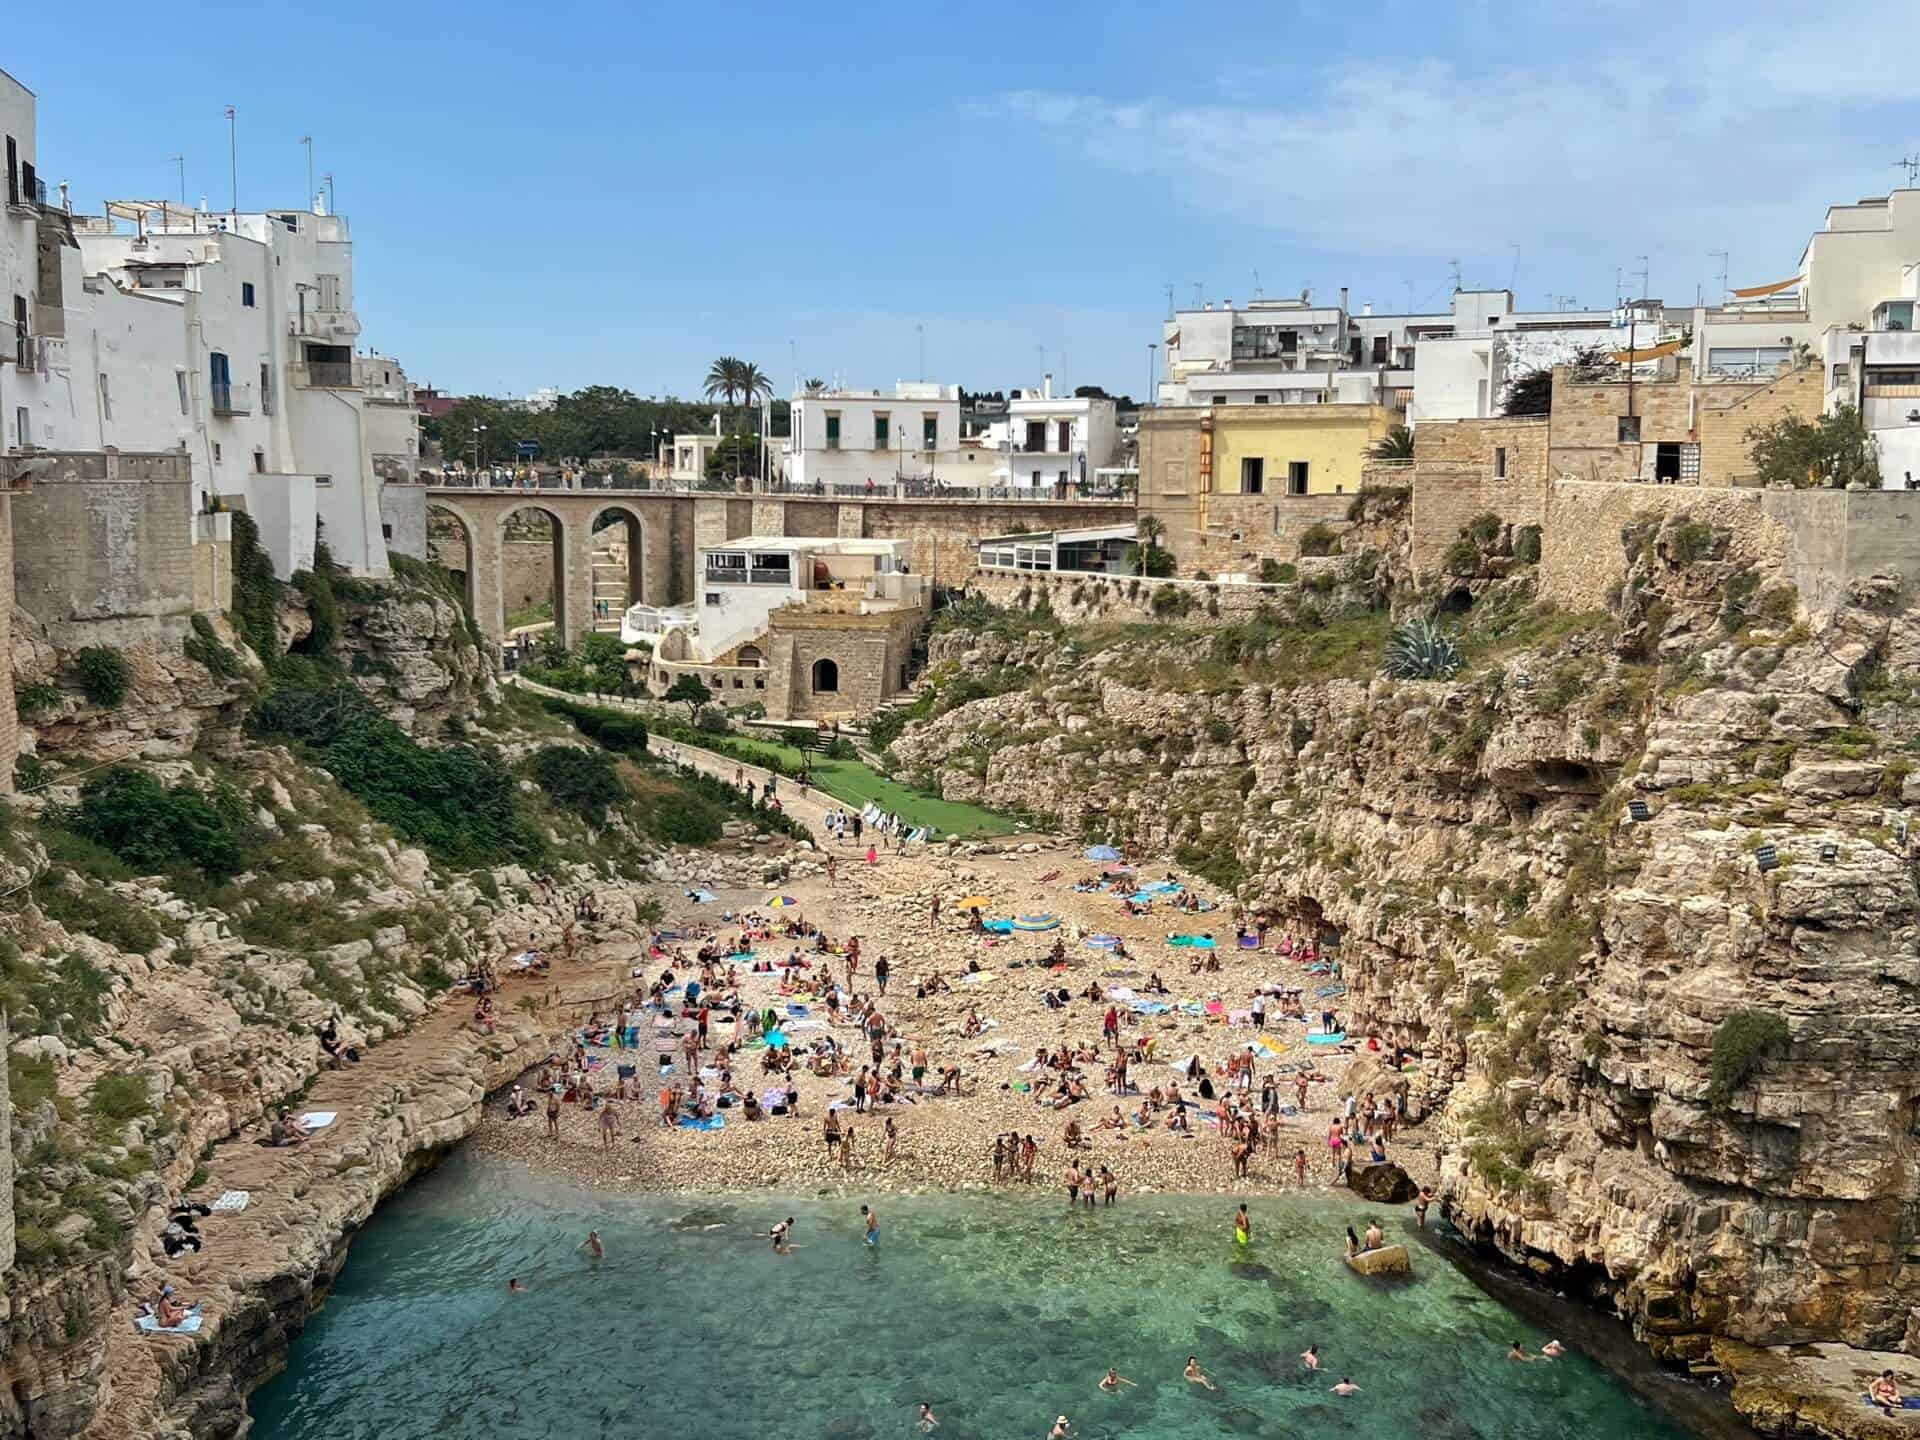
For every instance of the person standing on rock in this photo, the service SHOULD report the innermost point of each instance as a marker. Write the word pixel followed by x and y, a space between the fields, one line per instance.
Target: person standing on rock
pixel 1300 1090
pixel 933 913
pixel 881 969
pixel 553 1114
pixel 1420 1204
pixel 833 871
pixel 609 1125
pixel 893 1139
pixel 780 1234
pixel 1300 1164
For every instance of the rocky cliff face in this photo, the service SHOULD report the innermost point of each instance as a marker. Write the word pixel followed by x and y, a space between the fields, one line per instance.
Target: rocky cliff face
pixel 1678 1080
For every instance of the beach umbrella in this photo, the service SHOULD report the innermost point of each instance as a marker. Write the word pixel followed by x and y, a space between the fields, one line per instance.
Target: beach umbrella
pixel 1037 922
pixel 781 902
pixel 1104 942
pixel 1102 852
pixel 972 902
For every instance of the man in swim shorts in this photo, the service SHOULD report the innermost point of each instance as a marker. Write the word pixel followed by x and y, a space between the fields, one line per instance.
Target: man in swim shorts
pixel 873 1224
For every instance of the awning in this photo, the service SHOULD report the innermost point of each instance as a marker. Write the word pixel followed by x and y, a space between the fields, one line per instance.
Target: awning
pixel 1646 353
pixel 1754 292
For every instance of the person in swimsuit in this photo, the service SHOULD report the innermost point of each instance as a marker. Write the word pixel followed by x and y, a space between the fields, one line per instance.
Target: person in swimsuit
pixel 873 1224
pixel 1885 1392
pixel 1553 1349
pixel 553 1115
pixel 779 1234
pixel 1514 1352
pixel 593 1246
pixel 1310 1357
pixel 1346 1387
pixel 1113 1380
pixel 1420 1204
pixel 514 1287
pixel 1061 1430
pixel 1195 1375
pixel 1242 1225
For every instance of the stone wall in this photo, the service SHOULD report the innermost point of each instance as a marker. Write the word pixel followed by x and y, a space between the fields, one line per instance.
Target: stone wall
pixel 103 548
pixel 1582 559
pixel 6 1131
pixel 1454 478
pixel 1672 408
pixel 1076 597
pixel 870 654
pixel 9 722
pixel 1835 537
pixel 403 519
pixel 1726 415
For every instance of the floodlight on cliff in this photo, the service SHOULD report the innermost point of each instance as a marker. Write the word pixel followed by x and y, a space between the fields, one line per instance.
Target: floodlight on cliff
pixel 1829 851
pixel 1638 811
pixel 1522 680
pixel 1767 858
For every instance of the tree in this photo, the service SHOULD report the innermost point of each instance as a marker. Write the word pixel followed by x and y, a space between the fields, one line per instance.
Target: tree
pixel 724 379
pixel 1834 450
pixel 734 455
pixel 754 384
pixel 1149 556
pixel 1396 444
pixel 690 690
pixel 1529 394
pixel 605 656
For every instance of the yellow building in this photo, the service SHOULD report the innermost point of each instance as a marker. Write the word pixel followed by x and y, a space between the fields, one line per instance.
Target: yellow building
pixel 1234 484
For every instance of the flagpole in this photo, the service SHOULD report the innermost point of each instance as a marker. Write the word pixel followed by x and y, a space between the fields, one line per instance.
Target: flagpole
pixel 233 160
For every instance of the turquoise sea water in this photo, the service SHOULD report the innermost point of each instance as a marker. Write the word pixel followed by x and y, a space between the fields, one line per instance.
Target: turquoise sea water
pixel 1002 1311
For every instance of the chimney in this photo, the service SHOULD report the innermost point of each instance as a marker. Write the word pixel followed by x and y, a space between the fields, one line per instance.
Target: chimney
pixel 1046 387
pixel 1343 299
pixel 1367 309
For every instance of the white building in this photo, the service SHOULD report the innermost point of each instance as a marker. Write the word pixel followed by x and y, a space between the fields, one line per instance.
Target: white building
pixel 742 582
pixel 842 441
pixel 151 328
pixel 1049 442
pixel 392 417
pixel 1291 352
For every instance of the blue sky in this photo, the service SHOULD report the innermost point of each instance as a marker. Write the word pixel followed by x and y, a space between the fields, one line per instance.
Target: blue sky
pixel 601 192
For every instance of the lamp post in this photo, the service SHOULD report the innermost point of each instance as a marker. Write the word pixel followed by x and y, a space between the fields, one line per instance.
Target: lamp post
pixel 900 454
pixel 1151 347
pixel 478 431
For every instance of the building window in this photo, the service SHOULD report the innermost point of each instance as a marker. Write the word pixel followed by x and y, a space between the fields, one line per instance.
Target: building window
pixel 386 532
pixel 266 388
pixel 881 439
pixel 1261 399
pixel 1499 462
pixel 323 480
pixel 180 383
pixel 259 461
pixel 1036 437
pixel 106 397
pixel 1066 436
pixel 833 430
pixel 1253 475
pixel 1219 399
pixel 22 335
pixel 1296 477
pixel 826 678
pixel 246 294
pixel 20 432
pixel 1629 431
pixel 221 377
pixel 1380 349
pixel 929 432
pixel 216 452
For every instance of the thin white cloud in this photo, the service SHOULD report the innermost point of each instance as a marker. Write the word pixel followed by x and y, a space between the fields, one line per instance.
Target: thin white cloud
pixel 1644 132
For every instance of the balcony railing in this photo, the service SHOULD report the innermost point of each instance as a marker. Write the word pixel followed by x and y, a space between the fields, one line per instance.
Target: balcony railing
pixel 325 375
pixel 230 399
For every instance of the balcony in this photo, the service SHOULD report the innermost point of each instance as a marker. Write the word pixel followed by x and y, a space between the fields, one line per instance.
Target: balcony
pixel 331 326
pixel 230 399
pixel 324 375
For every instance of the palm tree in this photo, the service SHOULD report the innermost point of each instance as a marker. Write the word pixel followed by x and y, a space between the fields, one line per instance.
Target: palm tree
pixel 754 384
pixel 724 378
pixel 1396 444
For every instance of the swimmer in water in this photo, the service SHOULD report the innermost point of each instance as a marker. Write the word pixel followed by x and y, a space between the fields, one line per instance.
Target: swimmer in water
pixel 1061 1430
pixel 1113 1380
pixel 1195 1375
pixel 873 1224
pixel 1310 1357
pixel 1242 1225
pixel 927 1421
pixel 779 1234
pixel 1553 1349
pixel 514 1287
pixel 593 1246
pixel 1346 1387
pixel 1516 1353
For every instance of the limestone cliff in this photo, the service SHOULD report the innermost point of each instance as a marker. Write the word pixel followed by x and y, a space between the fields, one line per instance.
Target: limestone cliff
pixel 1680 1082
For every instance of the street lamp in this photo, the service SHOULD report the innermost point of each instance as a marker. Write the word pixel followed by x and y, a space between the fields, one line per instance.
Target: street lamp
pixel 478 431
pixel 900 454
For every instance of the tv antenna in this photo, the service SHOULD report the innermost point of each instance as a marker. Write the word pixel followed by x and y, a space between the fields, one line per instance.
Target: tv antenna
pixel 1721 256
pixel 1564 301
pixel 1196 294
pixel 1256 285
pixel 1643 277
pixel 1170 302
pixel 1454 265
pixel 1910 164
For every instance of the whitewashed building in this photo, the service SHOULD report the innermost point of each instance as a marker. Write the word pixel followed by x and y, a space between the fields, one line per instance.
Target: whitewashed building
pixel 1050 443
pixel 841 441
pixel 1290 352
pixel 392 417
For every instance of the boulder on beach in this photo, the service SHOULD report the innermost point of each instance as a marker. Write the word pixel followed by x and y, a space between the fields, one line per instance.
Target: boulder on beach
pixel 1383 1184
pixel 1383 1260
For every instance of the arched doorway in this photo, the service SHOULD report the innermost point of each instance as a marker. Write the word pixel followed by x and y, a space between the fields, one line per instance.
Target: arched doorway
pixel 749 655
pixel 617 559
pixel 533 573
pixel 450 546
pixel 826 678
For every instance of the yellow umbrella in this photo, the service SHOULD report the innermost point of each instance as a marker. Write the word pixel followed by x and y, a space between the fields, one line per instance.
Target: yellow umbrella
pixel 972 902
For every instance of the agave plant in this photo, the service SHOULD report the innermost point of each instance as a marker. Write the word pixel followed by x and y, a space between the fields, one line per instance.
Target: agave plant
pixel 1420 650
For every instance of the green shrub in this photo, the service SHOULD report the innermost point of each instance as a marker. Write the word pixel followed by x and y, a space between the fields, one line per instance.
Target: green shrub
pixel 1688 540
pixel 1462 558
pixel 1483 529
pixel 32 699
pixel 1740 1043
pixel 577 778
pixel 119 1096
pixel 1318 540
pixel 886 727
pixel 203 643
pixel 256 590
pixel 1526 544
pixel 1277 572
pixel 46 997
pixel 614 729
pixel 710 720
pixel 153 828
pixel 105 675
pixel 102 914
pixel 1169 602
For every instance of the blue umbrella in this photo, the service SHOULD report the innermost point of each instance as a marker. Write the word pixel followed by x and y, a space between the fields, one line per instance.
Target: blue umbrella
pixel 1103 852
pixel 1104 942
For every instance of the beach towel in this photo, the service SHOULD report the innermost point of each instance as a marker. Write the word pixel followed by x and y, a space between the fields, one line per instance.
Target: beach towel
pixel 1907 1402
pixel 1249 942
pixel 189 1324
pixel 1150 1007
pixel 319 1119
pixel 1326 991
pixel 1314 1037
pixel 1191 942
pixel 976 977
pixel 776 1095
pixel 700 897
pixel 1214 1007
pixel 1036 1063
pixel 1121 992
pixel 797 1010
pixel 776 1039
pixel 1161 887
pixel 694 1122
pixel 1239 1017
pixel 231 1202
pixel 998 927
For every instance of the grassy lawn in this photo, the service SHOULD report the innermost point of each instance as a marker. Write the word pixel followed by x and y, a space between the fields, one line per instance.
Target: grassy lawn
pixel 856 783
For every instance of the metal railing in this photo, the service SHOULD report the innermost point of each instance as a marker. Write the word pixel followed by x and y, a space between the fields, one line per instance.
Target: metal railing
pixel 231 399
pixel 1049 493
pixel 325 375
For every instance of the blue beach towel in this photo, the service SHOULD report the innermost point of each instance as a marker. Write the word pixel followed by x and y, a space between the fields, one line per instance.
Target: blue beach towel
pixel 1328 990
pixel 1333 1039
pixel 694 1122
pixel 188 1326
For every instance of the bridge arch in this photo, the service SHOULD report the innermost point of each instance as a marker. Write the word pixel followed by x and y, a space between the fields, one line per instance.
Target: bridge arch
pixel 451 539
pixel 617 556
pixel 518 590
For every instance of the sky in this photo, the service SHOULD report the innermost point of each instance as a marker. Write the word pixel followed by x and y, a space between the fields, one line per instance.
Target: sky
pixel 616 193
